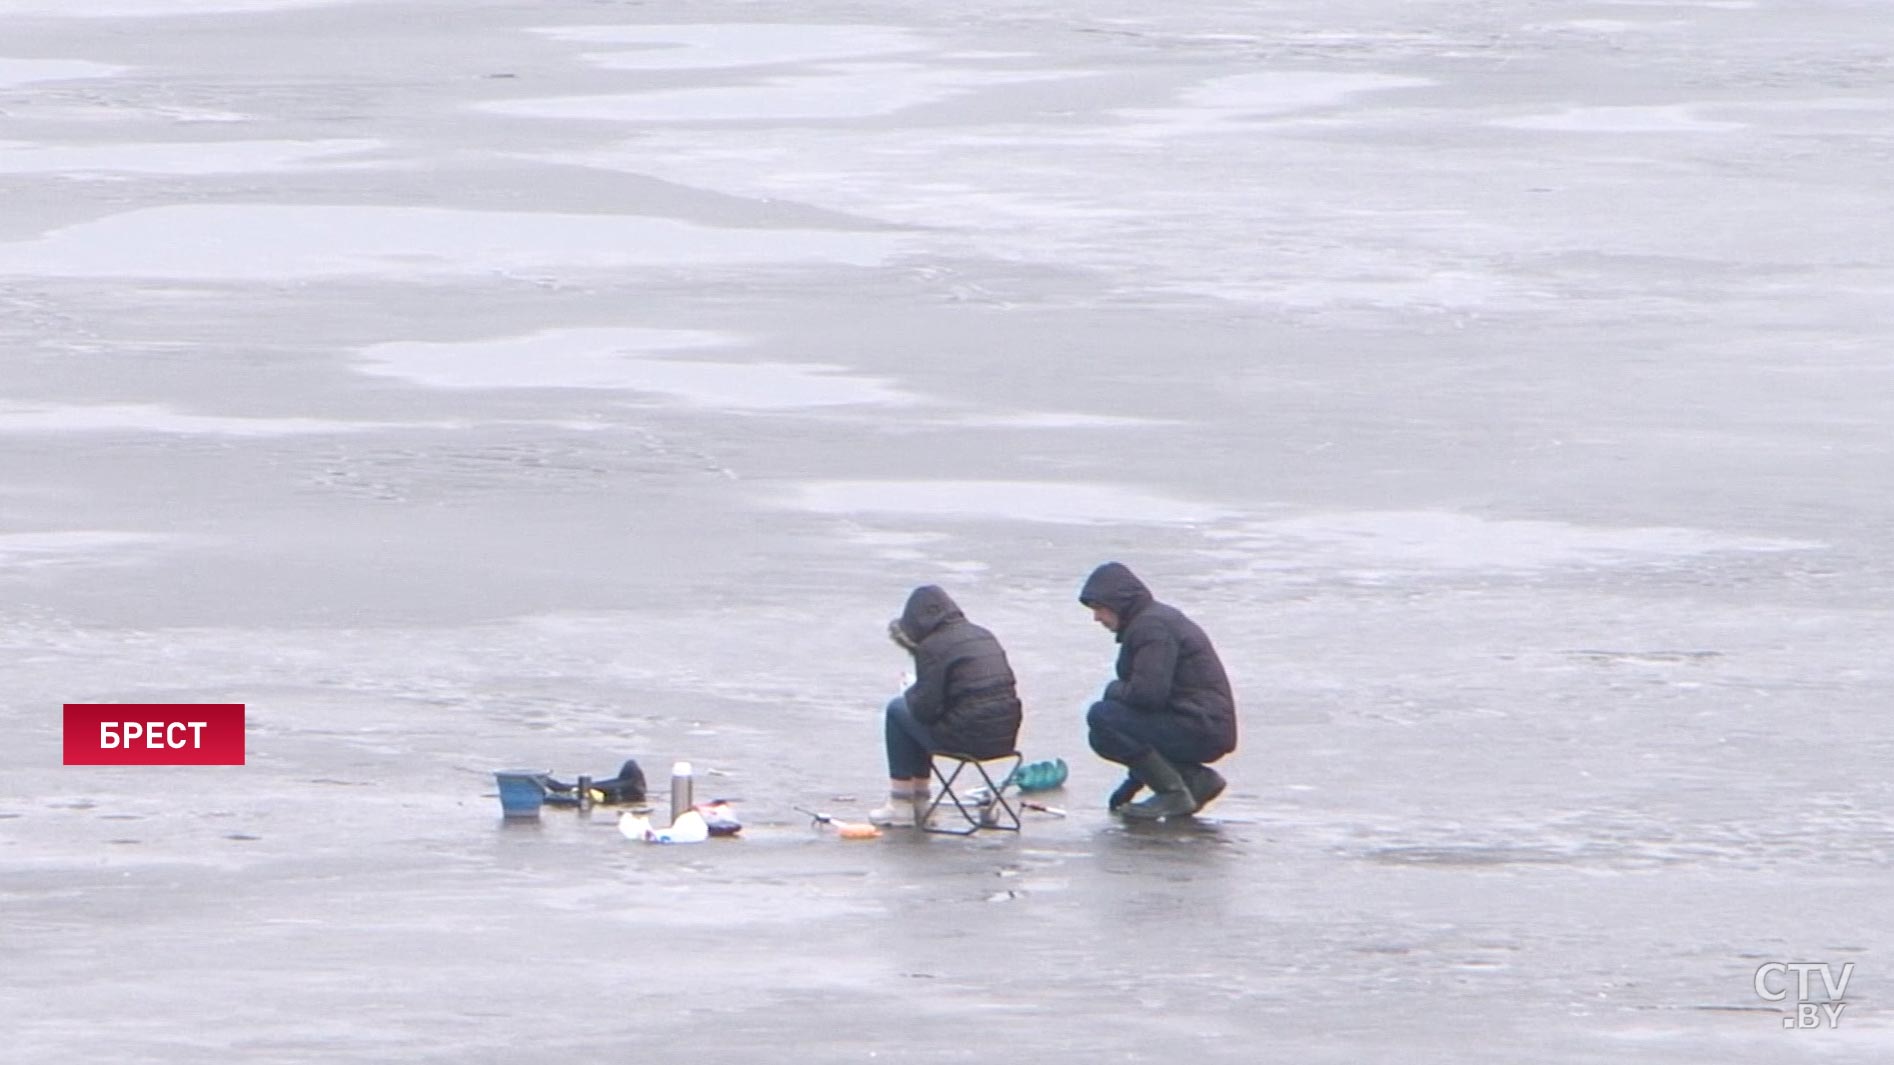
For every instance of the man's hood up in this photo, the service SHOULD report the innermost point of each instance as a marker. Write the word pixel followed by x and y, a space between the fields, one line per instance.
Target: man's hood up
pixel 1114 587
pixel 929 607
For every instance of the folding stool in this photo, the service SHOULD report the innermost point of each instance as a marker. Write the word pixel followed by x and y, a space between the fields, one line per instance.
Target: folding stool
pixel 992 810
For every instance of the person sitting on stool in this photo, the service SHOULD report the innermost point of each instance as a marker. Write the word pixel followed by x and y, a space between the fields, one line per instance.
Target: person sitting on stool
pixel 1169 711
pixel 963 699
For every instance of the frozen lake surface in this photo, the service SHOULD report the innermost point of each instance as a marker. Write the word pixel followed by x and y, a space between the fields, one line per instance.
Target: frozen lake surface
pixel 465 386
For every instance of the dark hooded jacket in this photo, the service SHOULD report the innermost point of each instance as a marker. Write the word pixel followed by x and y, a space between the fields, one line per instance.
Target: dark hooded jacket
pixel 1166 664
pixel 963 688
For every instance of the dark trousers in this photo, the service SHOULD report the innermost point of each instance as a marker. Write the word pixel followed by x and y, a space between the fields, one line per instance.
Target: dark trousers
pixel 1122 734
pixel 909 745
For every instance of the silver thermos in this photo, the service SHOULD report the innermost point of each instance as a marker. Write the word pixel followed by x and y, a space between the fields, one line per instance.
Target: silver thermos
pixel 680 790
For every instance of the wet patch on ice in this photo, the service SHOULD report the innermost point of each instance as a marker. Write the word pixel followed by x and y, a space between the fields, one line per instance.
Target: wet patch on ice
pixel 240 242
pixel 152 418
pixel 1371 543
pixel 1474 855
pixel 1819 828
pixel 711 46
pixel 792 898
pixel 1033 501
pixel 629 360
pixel 1673 118
pixel 204 157
pixel 28 71
pixel 838 91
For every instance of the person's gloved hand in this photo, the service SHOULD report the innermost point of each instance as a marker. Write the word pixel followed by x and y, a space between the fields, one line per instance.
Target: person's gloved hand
pixel 900 635
pixel 1124 793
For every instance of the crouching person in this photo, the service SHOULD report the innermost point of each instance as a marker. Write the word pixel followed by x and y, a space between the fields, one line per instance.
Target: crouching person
pixel 1169 711
pixel 963 699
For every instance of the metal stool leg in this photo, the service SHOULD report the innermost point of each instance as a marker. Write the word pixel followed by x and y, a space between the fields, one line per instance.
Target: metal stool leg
pixel 995 812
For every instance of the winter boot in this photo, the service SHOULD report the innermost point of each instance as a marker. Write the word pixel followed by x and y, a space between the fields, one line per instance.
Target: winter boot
pixel 1124 793
pixel 1172 798
pixel 1205 783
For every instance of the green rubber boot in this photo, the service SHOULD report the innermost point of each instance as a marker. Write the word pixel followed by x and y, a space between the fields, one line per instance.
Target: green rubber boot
pixel 1171 799
pixel 1205 783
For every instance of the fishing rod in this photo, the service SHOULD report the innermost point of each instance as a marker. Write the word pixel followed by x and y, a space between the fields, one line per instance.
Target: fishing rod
pixel 844 829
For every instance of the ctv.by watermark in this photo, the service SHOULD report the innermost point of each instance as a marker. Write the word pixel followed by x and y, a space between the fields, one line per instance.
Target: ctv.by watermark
pixel 1775 979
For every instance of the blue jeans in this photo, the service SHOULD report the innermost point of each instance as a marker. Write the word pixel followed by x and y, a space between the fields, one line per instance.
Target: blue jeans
pixel 1122 734
pixel 909 745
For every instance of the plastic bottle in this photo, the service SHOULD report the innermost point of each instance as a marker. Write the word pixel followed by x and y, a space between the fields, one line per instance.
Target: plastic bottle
pixel 680 790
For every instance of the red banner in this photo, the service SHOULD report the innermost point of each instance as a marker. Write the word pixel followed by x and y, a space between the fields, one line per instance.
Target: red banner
pixel 154 733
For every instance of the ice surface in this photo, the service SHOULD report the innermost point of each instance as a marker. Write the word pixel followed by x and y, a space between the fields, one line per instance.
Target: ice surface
pixel 706 47
pixel 206 157
pixel 1217 104
pixel 100 9
pixel 629 359
pixel 1046 420
pixel 841 90
pixel 15 72
pixel 1447 541
pixel 241 241
pixel 72 547
pixel 1048 501
pixel 1504 387
pixel 153 418
pixel 1678 118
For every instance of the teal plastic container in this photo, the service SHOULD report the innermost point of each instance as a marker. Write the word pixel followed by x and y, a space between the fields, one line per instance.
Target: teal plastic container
pixel 1041 776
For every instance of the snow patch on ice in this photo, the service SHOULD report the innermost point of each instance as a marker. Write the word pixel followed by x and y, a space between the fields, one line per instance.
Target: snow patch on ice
pixel 912 547
pixel 889 543
pixel 628 359
pixel 1371 541
pixel 1223 104
pixel 150 8
pixel 705 47
pixel 243 242
pixel 1034 501
pixel 1713 5
pixel 205 157
pixel 1673 118
pixel 36 550
pixel 1440 289
pixel 1606 25
pixel 28 71
pixel 852 90
pixel 152 418
pixel 1048 420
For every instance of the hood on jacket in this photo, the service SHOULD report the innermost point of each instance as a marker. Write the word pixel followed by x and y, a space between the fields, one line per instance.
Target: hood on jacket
pixel 929 607
pixel 1114 587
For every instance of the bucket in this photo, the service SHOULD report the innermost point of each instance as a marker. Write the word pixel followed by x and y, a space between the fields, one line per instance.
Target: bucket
pixel 522 792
